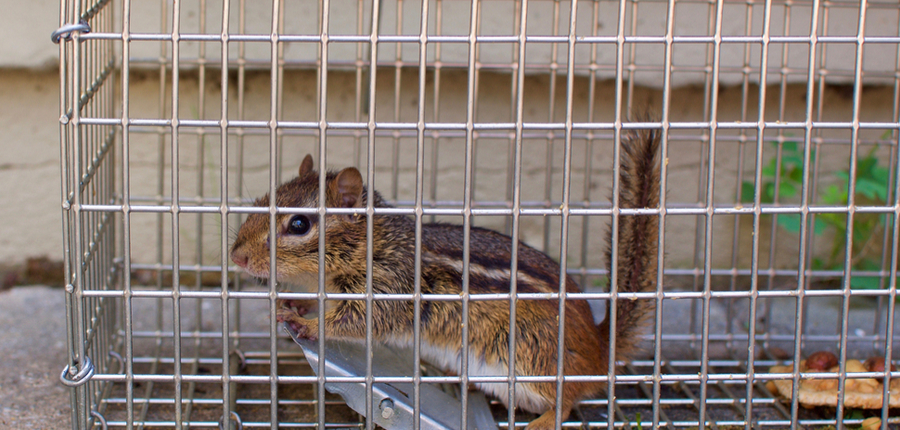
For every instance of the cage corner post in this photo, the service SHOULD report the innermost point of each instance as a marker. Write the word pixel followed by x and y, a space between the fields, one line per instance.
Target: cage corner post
pixel 87 139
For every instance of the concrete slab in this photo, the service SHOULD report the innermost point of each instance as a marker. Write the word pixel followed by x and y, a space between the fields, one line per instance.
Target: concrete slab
pixel 33 351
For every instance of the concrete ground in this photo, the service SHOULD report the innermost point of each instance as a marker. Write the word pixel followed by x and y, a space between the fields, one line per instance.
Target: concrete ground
pixel 32 354
pixel 33 348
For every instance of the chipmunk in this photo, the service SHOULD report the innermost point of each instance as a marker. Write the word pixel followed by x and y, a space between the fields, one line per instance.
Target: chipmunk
pixel 393 259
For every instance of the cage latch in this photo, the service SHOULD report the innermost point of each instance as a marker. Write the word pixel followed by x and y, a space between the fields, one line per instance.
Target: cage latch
pixel 83 375
pixel 65 32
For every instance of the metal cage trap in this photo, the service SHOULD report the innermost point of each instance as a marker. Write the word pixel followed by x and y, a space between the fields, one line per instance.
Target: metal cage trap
pixel 779 226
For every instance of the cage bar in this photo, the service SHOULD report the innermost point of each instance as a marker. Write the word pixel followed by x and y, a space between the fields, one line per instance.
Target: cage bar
pixel 778 224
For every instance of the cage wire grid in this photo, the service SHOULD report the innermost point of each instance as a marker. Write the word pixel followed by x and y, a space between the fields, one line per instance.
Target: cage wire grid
pixel 152 193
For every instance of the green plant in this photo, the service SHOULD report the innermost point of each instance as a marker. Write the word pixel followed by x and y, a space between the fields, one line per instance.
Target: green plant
pixel 872 188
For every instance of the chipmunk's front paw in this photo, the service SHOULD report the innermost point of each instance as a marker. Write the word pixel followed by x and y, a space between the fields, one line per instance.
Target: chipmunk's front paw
pixel 305 328
pixel 302 307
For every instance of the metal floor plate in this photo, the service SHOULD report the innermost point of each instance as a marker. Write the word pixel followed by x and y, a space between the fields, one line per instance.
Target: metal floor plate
pixel 392 407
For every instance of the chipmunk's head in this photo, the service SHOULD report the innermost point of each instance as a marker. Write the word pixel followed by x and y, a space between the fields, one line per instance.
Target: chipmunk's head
pixel 296 237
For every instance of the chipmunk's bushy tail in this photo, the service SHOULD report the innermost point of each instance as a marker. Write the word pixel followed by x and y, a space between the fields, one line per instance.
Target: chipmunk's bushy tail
pixel 636 265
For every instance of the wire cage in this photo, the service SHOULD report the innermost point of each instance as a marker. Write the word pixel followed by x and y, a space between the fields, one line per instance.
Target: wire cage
pixel 778 224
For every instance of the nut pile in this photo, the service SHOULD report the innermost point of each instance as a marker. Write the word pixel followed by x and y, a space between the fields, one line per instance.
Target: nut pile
pixel 859 392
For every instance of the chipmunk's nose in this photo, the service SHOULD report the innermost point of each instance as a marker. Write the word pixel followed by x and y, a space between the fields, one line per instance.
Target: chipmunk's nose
pixel 240 257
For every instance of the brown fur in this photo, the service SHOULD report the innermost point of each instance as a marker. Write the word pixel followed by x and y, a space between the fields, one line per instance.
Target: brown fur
pixel 586 344
pixel 638 239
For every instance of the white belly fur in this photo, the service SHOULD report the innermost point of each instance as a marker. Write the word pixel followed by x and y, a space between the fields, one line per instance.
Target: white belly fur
pixel 450 360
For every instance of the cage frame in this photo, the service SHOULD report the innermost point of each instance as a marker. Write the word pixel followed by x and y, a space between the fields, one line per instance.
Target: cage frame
pixel 95 227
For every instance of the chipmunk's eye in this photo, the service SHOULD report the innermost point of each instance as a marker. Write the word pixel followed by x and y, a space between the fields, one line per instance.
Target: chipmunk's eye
pixel 299 225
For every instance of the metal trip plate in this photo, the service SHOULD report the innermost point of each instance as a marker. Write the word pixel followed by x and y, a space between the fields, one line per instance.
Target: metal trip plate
pixel 392 406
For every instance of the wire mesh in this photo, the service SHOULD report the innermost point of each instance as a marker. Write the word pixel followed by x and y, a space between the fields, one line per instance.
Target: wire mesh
pixel 175 115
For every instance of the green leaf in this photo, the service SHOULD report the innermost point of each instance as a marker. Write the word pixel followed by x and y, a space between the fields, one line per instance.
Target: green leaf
pixel 865 282
pixel 747 192
pixel 819 228
pixel 768 194
pixel 796 175
pixel 793 160
pixel 790 222
pixel 855 414
pixel 769 169
pixel 788 189
pixel 880 174
pixel 834 220
pixel 864 166
pixel 869 264
pixel 834 195
pixel 871 189
pixel 860 233
pixel 872 184
pixel 791 146
pixel 843 174
pixel 818 263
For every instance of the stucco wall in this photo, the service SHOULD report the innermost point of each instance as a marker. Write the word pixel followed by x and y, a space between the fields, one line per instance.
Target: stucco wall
pixel 644 19
pixel 30 210
pixel 30 219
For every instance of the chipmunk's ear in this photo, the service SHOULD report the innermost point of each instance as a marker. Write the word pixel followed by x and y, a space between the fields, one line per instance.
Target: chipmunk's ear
pixel 346 188
pixel 306 166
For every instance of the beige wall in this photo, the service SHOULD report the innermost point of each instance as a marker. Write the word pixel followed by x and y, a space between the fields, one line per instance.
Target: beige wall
pixel 691 19
pixel 30 212
pixel 26 34
pixel 30 209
